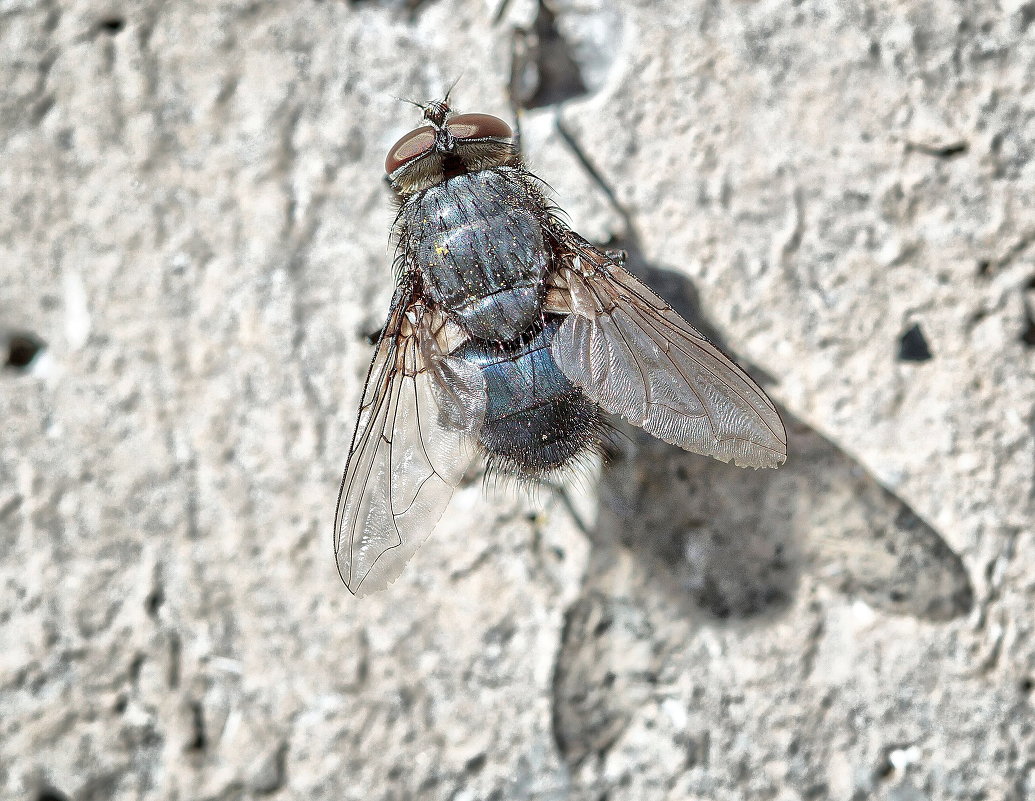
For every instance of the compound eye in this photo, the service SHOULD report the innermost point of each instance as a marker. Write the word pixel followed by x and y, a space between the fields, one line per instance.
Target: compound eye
pixel 410 147
pixel 478 126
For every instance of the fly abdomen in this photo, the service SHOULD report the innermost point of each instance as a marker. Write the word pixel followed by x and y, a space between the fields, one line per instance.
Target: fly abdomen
pixel 536 420
pixel 479 244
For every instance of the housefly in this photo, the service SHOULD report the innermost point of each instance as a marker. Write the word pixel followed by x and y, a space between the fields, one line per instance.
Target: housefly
pixel 511 336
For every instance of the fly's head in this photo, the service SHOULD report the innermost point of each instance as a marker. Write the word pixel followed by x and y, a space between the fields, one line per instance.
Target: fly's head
pixel 450 144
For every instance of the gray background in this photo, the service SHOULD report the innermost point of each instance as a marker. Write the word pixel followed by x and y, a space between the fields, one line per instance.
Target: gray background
pixel 194 222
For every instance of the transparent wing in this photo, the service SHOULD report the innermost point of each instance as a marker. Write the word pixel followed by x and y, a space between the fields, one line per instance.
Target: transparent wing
pixel 414 439
pixel 631 353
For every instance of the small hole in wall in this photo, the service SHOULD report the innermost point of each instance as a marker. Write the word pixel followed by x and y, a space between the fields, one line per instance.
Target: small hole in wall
pixel 23 348
pixel 112 25
pixel 1028 334
pixel 912 345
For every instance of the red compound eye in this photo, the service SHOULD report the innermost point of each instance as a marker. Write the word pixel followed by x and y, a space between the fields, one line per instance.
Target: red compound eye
pixel 478 126
pixel 412 146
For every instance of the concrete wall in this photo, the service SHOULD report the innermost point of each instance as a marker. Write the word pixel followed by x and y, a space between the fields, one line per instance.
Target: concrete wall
pixel 194 248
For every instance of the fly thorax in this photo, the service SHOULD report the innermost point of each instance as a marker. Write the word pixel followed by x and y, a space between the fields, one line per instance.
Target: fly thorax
pixel 478 241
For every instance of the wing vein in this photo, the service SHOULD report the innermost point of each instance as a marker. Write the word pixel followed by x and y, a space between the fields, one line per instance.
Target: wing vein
pixel 689 393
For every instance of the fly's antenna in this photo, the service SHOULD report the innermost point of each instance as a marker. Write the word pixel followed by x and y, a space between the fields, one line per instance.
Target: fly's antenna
pixel 452 86
pixel 407 100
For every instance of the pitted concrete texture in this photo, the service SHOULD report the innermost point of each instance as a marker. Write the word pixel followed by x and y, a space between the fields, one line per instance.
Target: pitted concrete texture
pixel 194 251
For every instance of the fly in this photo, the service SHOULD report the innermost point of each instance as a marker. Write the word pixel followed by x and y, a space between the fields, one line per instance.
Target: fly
pixel 511 337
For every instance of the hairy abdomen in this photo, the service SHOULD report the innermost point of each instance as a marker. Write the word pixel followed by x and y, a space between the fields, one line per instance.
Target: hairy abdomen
pixel 536 420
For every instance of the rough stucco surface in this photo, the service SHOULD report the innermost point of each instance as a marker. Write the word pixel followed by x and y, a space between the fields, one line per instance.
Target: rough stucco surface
pixel 195 225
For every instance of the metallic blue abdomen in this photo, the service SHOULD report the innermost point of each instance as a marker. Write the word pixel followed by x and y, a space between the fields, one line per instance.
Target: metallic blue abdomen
pixel 536 419
pixel 479 244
